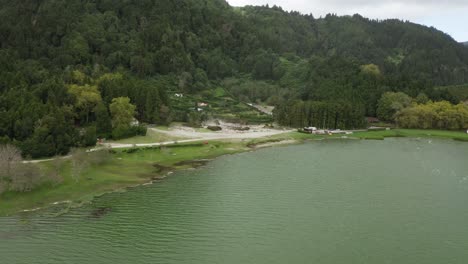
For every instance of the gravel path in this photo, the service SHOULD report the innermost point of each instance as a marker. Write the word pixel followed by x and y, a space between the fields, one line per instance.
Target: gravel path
pixel 191 135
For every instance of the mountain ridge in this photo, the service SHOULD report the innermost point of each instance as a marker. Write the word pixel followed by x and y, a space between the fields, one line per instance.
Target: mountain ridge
pixel 189 22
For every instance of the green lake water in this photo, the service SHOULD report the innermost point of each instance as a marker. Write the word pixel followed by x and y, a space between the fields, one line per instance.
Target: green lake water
pixel 401 201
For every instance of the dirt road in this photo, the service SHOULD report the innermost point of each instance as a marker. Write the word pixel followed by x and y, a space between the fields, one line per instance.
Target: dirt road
pixel 191 135
pixel 194 136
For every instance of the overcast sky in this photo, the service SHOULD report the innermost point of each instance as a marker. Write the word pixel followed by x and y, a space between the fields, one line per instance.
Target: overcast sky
pixel 450 16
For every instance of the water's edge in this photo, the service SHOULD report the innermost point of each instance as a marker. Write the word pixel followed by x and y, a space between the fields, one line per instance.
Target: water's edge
pixel 67 205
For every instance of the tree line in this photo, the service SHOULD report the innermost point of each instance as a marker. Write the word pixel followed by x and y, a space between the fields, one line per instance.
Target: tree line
pixel 439 115
pixel 323 114
pixel 393 107
pixel 421 112
pixel 56 115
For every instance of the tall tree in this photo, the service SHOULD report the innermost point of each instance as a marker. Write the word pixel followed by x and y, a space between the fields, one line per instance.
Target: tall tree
pixel 391 103
pixel 122 112
pixel 87 98
pixel 103 121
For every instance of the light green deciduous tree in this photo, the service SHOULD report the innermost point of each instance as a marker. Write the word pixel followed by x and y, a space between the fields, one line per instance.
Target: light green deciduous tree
pixel 122 112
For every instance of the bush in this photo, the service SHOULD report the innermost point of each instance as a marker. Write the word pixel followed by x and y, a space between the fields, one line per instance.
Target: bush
pixel 4 140
pixel 131 150
pixel 100 157
pixel 126 132
pixel 14 174
pixel 215 128
pixel 194 119
pixel 88 136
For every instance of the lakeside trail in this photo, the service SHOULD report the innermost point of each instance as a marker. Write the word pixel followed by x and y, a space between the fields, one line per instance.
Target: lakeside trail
pixel 230 132
pixel 227 132
pixel 194 136
pixel 191 135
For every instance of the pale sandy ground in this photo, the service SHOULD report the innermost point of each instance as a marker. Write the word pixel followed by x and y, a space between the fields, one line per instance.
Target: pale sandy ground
pixel 264 108
pixel 191 135
pixel 228 131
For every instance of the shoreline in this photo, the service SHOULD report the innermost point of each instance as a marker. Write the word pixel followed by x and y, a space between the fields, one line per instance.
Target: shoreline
pixel 158 177
pixel 136 168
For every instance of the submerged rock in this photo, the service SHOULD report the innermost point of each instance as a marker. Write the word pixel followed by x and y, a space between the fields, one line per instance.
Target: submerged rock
pixel 193 163
pixel 161 168
pixel 100 212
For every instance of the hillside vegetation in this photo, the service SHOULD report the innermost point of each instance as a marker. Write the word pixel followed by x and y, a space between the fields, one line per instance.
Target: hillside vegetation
pixel 62 64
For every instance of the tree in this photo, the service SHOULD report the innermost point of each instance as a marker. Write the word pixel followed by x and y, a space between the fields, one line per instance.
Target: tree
pixel 421 98
pixel 10 159
pixel 264 65
pixel 26 178
pixel 15 175
pixel 438 115
pixel 122 112
pixel 371 69
pixel 79 163
pixel 54 134
pixel 77 77
pixel 103 121
pixel 112 85
pixel 88 136
pixel 55 173
pixel 76 46
pixel 153 102
pixel 87 98
pixel 185 81
pixel 195 119
pixel 390 103
pixel 200 80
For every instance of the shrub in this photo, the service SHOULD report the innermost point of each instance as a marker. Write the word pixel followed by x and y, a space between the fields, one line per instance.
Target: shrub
pixel 215 128
pixel 88 136
pixel 126 132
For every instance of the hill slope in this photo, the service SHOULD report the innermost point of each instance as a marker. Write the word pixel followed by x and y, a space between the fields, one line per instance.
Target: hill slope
pixel 54 54
pixel 162 36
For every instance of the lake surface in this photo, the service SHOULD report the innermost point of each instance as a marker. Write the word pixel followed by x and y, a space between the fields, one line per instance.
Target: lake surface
pixel 337 201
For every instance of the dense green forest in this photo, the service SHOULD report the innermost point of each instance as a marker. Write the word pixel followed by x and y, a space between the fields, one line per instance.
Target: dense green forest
pixel 64 65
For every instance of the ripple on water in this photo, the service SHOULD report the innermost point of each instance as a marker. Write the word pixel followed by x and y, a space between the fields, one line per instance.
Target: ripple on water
pixel 391 201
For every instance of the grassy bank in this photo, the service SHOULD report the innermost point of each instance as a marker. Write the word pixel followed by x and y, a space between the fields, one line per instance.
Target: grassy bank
pixel 381 134
pixel 126 167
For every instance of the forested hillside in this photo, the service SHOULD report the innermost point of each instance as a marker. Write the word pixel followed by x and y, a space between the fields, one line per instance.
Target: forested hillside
pixel 64 63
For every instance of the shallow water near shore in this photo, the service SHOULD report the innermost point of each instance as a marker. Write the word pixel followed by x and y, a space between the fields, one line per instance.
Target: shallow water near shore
pixel 335 201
